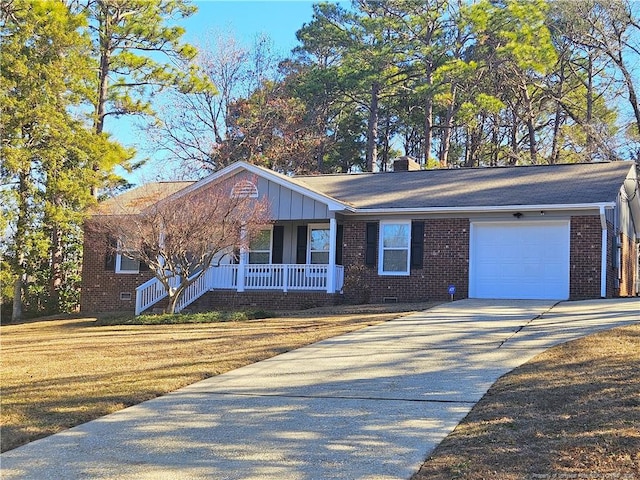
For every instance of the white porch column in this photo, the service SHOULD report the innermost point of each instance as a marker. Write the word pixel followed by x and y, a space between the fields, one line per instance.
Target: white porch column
pixel 331 268
pixel 242 261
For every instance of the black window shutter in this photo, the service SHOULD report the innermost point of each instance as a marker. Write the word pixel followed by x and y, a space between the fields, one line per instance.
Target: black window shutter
pixel 339 237
pixel 143 266
pixel 371 239
pixel 417 244
pixel 301 251
pixel 278 244
pixel 110 254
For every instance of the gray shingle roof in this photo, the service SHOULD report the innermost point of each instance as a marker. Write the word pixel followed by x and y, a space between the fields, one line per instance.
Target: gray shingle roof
pixel 135 200
pixel 475 187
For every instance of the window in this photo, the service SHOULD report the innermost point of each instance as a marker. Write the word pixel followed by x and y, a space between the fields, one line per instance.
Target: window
pixel 126 260
pixel 319 239
pixel 125 263
pixel 244 189
pixel 395 242
pixel 260 247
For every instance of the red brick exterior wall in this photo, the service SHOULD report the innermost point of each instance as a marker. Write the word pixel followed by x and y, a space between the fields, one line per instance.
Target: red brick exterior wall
pixel 628 267
pixel 265 300
pixel 101 287
pixel 445 262
pixel 585 257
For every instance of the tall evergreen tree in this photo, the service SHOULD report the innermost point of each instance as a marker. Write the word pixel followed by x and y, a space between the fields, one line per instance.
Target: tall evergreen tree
pixel 138 54
pixel 47 151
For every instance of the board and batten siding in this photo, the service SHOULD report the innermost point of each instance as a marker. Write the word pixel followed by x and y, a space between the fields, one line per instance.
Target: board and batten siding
pixel 287 204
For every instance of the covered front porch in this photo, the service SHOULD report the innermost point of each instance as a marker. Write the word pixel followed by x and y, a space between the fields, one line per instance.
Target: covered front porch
pixel 268 265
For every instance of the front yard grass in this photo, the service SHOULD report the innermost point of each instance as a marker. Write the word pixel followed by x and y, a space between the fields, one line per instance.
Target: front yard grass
pixel 572 412
pixel 59 373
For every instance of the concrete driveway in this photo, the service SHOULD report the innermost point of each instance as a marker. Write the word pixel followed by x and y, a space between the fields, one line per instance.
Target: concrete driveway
pixel 367 405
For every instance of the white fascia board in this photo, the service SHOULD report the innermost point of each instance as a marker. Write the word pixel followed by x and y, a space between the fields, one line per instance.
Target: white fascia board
pixel 333 204
pixel 267 174
pixel 225 172
pixel 495 208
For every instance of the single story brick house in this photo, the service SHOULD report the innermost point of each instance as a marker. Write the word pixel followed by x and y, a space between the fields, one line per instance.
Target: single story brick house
pixel 535 232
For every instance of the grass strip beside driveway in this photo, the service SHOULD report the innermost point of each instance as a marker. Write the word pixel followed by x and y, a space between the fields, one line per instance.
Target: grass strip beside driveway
pixel 572 412
pixel 56 374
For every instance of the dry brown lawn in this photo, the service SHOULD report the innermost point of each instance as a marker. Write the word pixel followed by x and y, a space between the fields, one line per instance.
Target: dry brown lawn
pixel 59 373
pixel 572 412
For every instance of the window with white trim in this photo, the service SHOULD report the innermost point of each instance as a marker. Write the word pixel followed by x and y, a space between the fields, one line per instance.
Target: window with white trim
pixel 260 247
pixel 318 244
pixel 126 263
pixel 395 245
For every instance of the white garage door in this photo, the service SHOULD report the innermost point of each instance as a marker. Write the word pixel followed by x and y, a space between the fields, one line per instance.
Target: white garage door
pixel 528 260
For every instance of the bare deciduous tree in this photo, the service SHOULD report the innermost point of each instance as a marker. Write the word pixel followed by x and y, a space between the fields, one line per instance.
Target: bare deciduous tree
pixel 194 123
pixel 181 236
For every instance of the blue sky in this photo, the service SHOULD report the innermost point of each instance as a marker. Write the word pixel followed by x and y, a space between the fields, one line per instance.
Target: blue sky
pixel 278 19
pixel 246 20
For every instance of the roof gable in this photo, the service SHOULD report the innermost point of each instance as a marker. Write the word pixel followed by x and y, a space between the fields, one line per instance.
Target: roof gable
pixel 271 176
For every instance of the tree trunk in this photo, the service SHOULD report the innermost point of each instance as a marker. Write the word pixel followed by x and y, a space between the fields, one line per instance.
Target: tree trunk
pixel 473 144
pixel 21 242
pixel 428 120
pixel 104 29
pixel 589 120
pixel 385 146
pixel 103 70
pixel 56 269
pixel 372 129
pixel 533 152
pixel 495 140
pixel 446 134
pixel 172 302
pixel 467 148
pixel 531 130
pixel 555 150
pixel 16 312
pixel 514 138
pixel 558 118
pixel 633 98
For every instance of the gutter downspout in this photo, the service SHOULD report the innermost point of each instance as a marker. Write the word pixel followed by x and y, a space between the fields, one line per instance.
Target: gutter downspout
pixel 603 260
pixel 331 272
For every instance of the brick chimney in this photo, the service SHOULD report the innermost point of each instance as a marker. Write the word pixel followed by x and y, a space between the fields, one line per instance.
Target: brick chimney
pixel 405 164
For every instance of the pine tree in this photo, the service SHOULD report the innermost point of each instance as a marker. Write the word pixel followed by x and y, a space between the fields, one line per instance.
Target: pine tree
pixel 47 150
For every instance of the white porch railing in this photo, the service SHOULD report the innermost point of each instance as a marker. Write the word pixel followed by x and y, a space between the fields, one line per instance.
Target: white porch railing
pixel 285 277
pixel 148 294
pixel 195 290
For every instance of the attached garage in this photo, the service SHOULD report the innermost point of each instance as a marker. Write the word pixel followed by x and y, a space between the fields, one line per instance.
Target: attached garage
pixel 519 260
